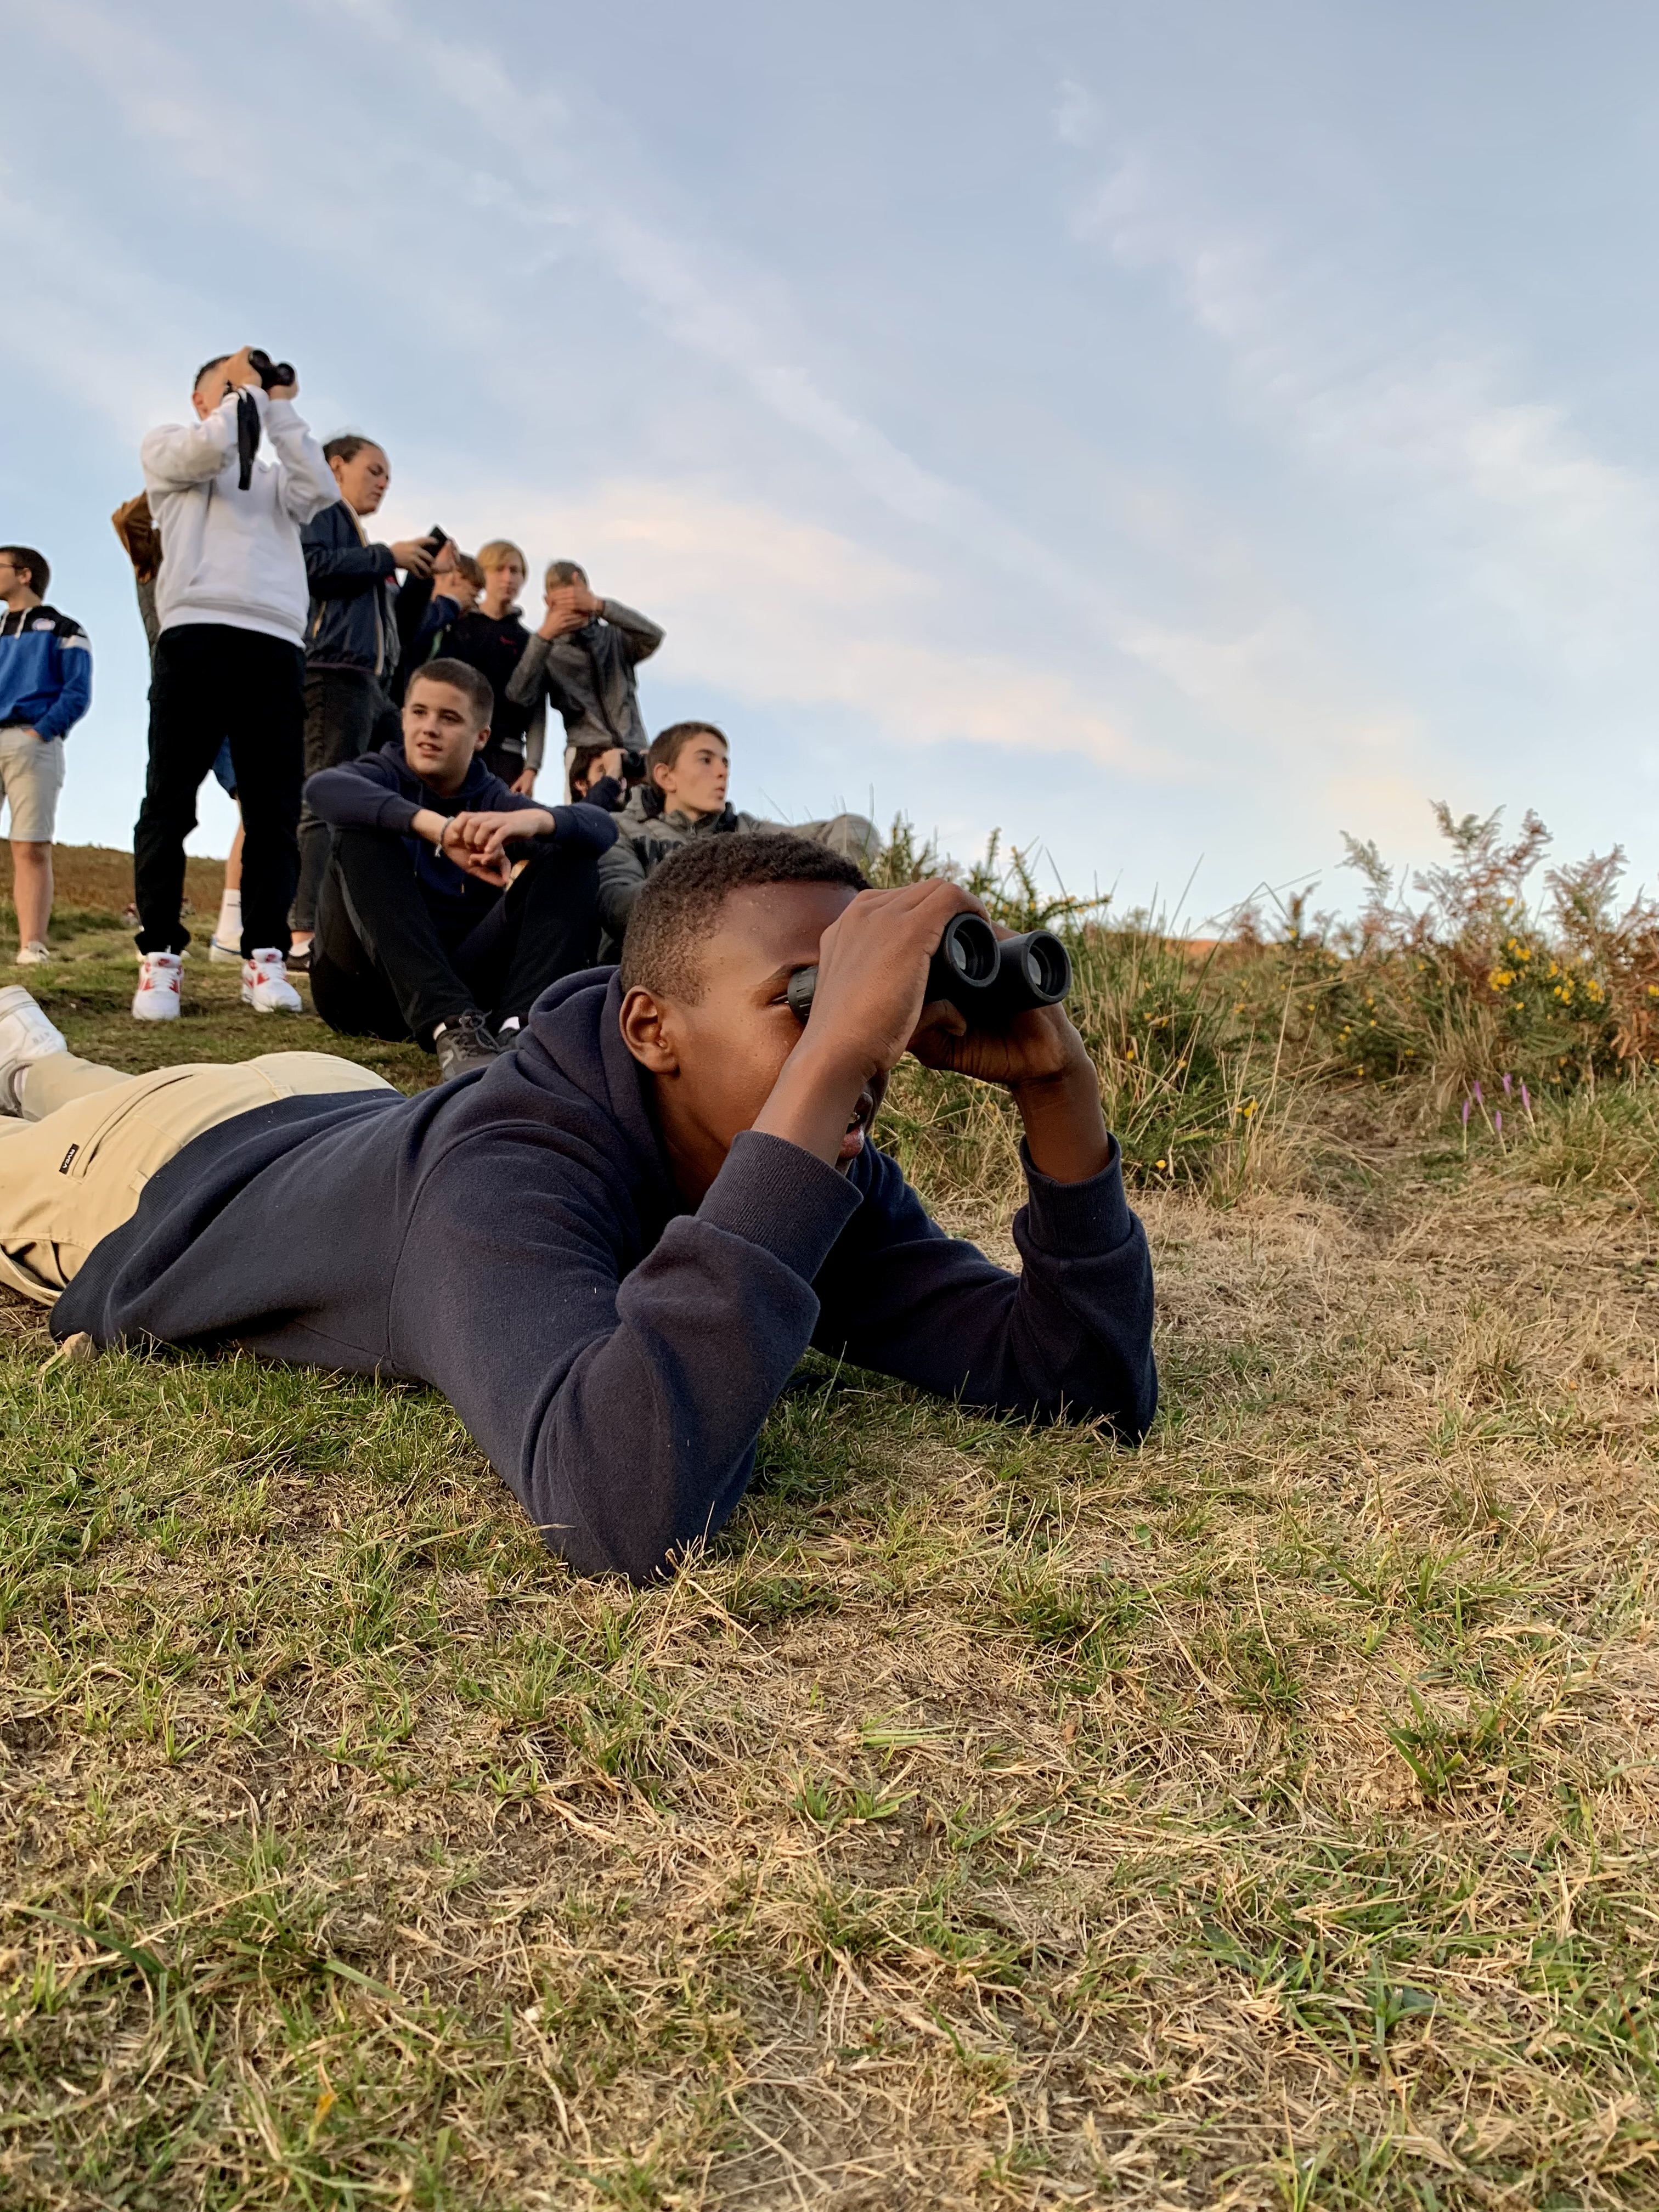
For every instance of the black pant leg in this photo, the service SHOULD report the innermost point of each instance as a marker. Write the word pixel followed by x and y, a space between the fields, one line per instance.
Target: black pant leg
pixel 544 933
pixel 390 919
pixel 349 991
pixel 267 752
pixel 341 707
pixel 388 726
pixel 187 704
pixel 502 760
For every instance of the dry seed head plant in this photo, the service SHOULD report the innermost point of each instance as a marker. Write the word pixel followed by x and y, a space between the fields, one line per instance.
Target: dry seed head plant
pixel 991 1816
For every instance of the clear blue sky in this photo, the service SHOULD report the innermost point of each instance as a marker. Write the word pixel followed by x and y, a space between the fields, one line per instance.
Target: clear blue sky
pixel 1173 434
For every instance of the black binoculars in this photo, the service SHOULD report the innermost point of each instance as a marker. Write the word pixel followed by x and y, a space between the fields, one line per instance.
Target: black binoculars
pixel 988 980
pixel 270 372
pixel 633 764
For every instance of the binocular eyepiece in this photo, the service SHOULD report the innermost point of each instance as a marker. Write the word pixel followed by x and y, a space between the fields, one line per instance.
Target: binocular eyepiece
pixel 988 980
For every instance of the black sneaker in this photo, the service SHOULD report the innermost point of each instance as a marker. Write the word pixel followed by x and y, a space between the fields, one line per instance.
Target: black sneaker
pixel 466 1041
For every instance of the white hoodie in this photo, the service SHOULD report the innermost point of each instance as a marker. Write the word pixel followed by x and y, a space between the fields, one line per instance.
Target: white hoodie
pixel 229 556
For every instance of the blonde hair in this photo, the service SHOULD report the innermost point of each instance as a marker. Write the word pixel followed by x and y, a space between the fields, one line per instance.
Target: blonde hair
pixel 492 554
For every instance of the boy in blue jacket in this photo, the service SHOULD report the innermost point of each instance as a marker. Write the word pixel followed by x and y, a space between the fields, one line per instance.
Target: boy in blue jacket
pixel 609 1247
pixel 427 928
pixel 45 687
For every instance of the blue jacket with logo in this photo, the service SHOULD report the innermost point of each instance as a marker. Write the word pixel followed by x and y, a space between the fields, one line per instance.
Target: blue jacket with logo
pixel 46 671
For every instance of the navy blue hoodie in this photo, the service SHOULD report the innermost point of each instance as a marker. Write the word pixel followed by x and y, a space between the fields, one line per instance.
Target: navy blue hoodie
pixel 380 791
pixel 515 1238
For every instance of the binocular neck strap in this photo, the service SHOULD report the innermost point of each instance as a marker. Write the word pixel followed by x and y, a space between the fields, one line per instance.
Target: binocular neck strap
pixel 247 440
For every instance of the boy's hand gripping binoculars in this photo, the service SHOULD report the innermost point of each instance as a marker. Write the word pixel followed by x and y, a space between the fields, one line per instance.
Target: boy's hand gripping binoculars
pixel 988 980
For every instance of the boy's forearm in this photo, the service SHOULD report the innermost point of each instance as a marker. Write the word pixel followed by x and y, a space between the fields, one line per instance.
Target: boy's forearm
pixel 1065 1125
pixel 812 1102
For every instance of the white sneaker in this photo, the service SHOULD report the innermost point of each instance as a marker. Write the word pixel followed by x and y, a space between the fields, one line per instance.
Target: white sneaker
pixel 33 954
pixel 26 1036
pixel 161 976
pixel 265 986
pixel 222 954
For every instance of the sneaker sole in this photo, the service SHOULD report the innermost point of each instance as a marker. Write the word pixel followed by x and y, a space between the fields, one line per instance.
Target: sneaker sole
pixel 170 1016
pixel 222 956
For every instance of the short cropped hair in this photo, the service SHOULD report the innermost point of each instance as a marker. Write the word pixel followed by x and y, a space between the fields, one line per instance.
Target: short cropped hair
pixel 25 556
pixel 461 676
pixel 467 567
pixel 678 911
pixel 565 572
pixel 217 361
pixel 349 445
pixel 492 554
pixel 668 745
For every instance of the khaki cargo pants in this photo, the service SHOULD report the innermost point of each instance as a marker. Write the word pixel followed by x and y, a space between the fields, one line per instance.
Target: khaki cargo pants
pixel 75 1165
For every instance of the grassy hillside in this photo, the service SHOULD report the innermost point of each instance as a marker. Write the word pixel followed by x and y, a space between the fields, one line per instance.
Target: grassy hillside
pixel 1265 1818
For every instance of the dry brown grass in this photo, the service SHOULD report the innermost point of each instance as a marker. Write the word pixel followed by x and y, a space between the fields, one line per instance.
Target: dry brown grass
pixel 1264 1819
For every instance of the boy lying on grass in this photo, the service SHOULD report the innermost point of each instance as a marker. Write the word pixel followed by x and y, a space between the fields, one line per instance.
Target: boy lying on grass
pixel 610 1248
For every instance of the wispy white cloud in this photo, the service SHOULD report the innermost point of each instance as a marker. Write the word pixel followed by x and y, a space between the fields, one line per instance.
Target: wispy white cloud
pixel 767 608
pixel 1393 394
pixel 532 282
pixel 1076 115
pixel 556 166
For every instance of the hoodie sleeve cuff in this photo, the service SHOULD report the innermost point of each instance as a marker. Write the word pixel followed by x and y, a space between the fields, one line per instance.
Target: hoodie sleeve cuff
pixel 1074 1220
pixel 773 1193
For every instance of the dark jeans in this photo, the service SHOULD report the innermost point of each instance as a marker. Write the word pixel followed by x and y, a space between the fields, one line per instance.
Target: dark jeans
pixel 501 761
pixel 394 958
pixel 347 715
pixel 206 678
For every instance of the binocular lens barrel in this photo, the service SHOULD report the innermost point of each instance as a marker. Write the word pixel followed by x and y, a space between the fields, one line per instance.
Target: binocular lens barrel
pixel 988 980
pixel 269 372
pixel 967 955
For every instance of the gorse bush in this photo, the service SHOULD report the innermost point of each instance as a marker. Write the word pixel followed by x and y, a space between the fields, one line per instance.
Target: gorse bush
pixel 1479 978
pixel 1190 1074
pixel 1205 1050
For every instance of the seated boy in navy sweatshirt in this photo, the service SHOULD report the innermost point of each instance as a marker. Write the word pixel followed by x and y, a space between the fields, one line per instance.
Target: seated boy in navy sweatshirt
pixel 609 1248
pixel 424 930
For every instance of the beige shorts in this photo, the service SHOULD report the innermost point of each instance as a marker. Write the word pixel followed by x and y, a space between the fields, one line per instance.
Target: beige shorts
pixel 76 1169
pixel 31 777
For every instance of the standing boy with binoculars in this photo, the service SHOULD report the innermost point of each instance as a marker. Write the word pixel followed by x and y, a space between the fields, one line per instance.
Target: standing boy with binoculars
pixel 231 602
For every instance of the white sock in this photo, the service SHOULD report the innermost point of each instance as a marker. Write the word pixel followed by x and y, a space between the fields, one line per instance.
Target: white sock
pixel 229 927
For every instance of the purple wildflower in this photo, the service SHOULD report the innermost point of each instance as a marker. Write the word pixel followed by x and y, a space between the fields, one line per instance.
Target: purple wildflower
pixel 1480 1095
pixel 1506 1086
pixel 1525 1099
pixel 1465 1112
pixel 1497 1121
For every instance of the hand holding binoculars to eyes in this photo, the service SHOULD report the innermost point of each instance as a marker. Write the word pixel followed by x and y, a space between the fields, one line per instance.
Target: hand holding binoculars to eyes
pixel 872 971
pixel 988 1003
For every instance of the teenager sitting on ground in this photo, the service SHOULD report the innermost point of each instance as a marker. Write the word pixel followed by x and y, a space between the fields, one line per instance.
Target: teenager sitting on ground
pixel 681 799
pixel 423 931
pixel 610 1248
